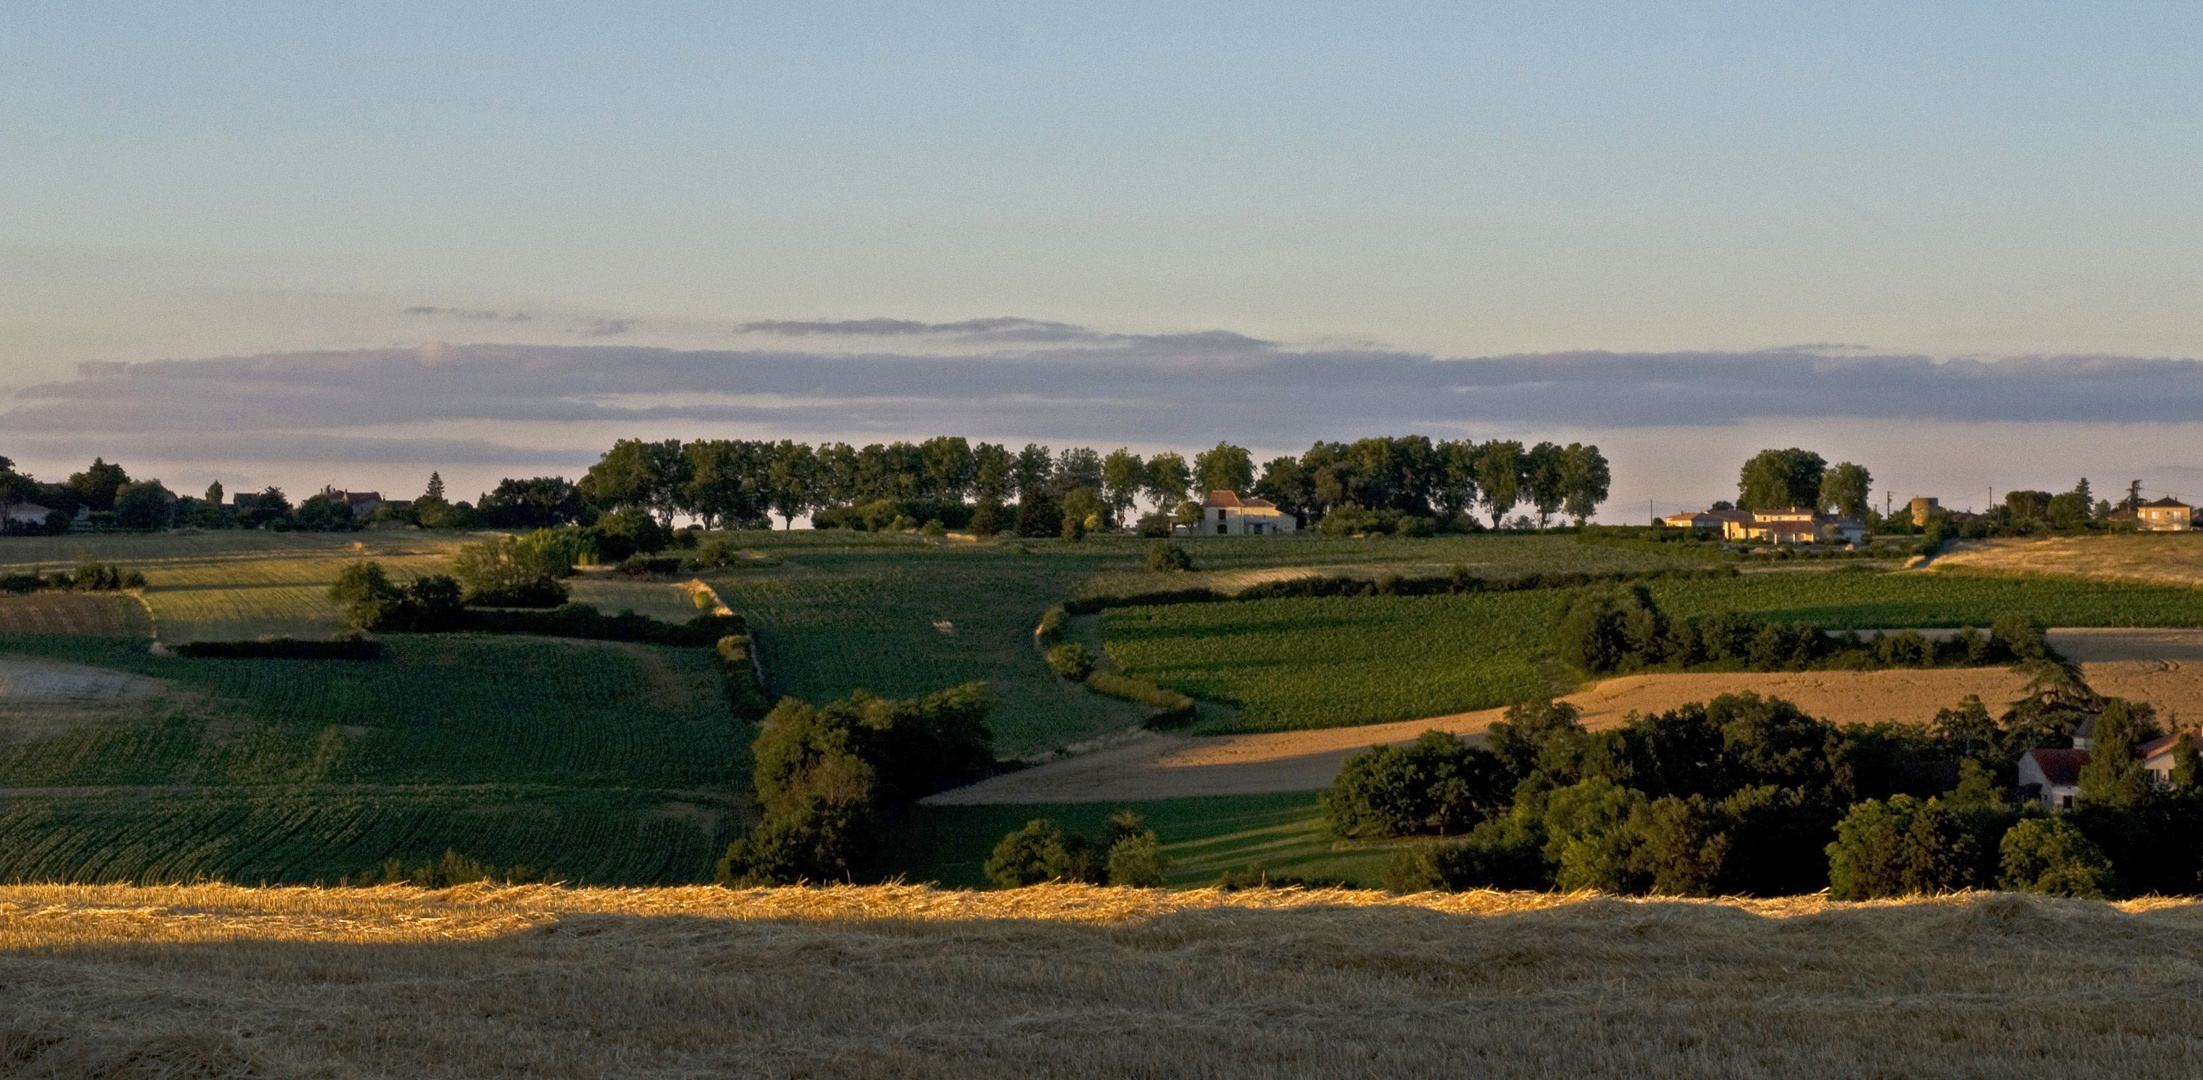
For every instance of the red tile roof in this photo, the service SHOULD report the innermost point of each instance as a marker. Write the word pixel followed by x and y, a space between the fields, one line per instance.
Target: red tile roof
pixel 1221 498
pixel 2169 502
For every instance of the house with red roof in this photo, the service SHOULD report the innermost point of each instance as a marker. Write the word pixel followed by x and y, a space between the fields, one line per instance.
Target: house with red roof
pixel 1226 513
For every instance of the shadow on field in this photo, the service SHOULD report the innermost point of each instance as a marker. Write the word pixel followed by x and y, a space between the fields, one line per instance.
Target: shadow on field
pixel 1980 986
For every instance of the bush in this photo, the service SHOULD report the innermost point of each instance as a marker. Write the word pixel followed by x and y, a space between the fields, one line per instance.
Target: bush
pixel 1171 707
pixel 584 621
pixel 443 873
pixel 1504 853
pixel 504 572
pixel 1039 853
pixel 1070 660
pixel 1168 558
pixel 1051 624
pixel 1155 526
pixel 2050 855
pixel 745 693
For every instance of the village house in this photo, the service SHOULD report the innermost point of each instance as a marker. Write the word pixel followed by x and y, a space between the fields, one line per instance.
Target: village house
pixel 362 503
pixel 26 515
pixel 2052 777
pixel 2165 515
pixel 1224 513
pixel 1709 520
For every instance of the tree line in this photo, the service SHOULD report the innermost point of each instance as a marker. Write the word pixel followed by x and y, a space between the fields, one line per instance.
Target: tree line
pixel 1375 481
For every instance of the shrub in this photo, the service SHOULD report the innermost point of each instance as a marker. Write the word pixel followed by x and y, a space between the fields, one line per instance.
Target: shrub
pixel 503 572
pixel 1171 707
pixel 1138 861
pixel 540 593
pixel 1504 853
pixel 1167 558
pixel 1051 623
pixel 745 693
pixel 1039 853
pixel 2050 855
pixel 1070 660
pixel 1155 526
pixel 647 566
pixel 443 873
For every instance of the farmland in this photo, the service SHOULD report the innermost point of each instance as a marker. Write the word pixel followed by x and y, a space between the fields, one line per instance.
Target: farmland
pixel 1337 661
pixel 1077 981
pixel 586 760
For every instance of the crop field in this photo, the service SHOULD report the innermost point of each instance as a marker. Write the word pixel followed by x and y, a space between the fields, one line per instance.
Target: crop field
pixel 1073 982
pixel 1203 837
pixel 2163 558
pixel 92 614
pixel 1231 563
pixel 596 760
pixel 1338 661
pixel 899 616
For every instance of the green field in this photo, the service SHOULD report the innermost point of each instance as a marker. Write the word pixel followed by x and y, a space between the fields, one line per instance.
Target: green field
pixel 900 615
pixel 586 760
pixel 1339 661
pixel 1204 838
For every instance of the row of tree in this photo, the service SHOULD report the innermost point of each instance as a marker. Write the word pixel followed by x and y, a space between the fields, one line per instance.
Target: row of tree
pixel 738 483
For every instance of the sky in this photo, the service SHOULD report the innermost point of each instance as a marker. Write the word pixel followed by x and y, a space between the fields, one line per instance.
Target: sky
pixel 1957 242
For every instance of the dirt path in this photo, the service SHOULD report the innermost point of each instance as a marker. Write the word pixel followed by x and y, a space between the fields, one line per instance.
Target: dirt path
pixel 2163 667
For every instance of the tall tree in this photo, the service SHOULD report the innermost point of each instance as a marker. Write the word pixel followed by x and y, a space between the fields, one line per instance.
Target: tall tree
pixel 1584 480
pixel 994 473
pixel 1846 491
pixel 2114 776
pixel 214 493
pixel 1456 490
pixel 1123 475
pixel 1780 480
pixel 1167 480
pixel 1078 468
pixel 1224 467
pixel 95 487
pixel 949 469
pixel 649 475
pixel 836 481
pixel 1284 484
pixel 1035 470
pixel 793 478
pixel 1499 467
pixel 1544 470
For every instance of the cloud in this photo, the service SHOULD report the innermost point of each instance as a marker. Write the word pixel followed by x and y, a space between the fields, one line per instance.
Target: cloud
pixel 608 327
pixel 1181 389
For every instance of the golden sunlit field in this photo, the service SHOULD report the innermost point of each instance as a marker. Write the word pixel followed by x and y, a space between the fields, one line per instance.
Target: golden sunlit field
pixel 2153 558
pixel 1076 981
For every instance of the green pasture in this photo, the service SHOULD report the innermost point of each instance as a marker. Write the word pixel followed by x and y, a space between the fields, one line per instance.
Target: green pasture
pixel 1203 837
pixel 614 762
pixel 1339 661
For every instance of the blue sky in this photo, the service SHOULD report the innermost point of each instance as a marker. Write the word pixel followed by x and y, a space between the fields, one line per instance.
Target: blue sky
pixel 1453 180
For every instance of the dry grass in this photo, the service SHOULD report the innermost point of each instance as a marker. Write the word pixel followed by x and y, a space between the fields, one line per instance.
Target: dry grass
pixel 2148 558
pixel 1076 981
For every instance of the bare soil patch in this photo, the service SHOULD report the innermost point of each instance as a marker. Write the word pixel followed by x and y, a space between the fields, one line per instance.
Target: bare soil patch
pixel 40 697
pixel 2162 667
pixel 1076 981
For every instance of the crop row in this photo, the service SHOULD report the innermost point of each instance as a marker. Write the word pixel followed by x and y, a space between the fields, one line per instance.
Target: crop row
pixel 603 836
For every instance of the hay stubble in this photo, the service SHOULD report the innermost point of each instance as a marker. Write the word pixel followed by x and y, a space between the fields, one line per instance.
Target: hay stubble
pixel 1076 981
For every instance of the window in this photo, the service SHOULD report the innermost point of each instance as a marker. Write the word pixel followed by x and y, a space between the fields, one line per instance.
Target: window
pixel 2065 802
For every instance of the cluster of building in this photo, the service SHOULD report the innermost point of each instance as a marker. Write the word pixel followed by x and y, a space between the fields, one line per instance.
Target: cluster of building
pixel 1796 525
pixel 2053 777
pixel 31 515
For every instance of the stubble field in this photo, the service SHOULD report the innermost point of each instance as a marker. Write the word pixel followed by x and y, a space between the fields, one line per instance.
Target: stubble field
pixel 1072 981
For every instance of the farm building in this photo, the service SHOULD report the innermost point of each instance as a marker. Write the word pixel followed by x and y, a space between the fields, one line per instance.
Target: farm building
pixel 1710 520
pixel 1224 513
pixel 1796 525
pixel 1923 508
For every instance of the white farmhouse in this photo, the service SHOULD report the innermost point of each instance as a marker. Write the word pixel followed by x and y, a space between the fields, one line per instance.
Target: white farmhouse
pixel 2052 777
pixel 1224 513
